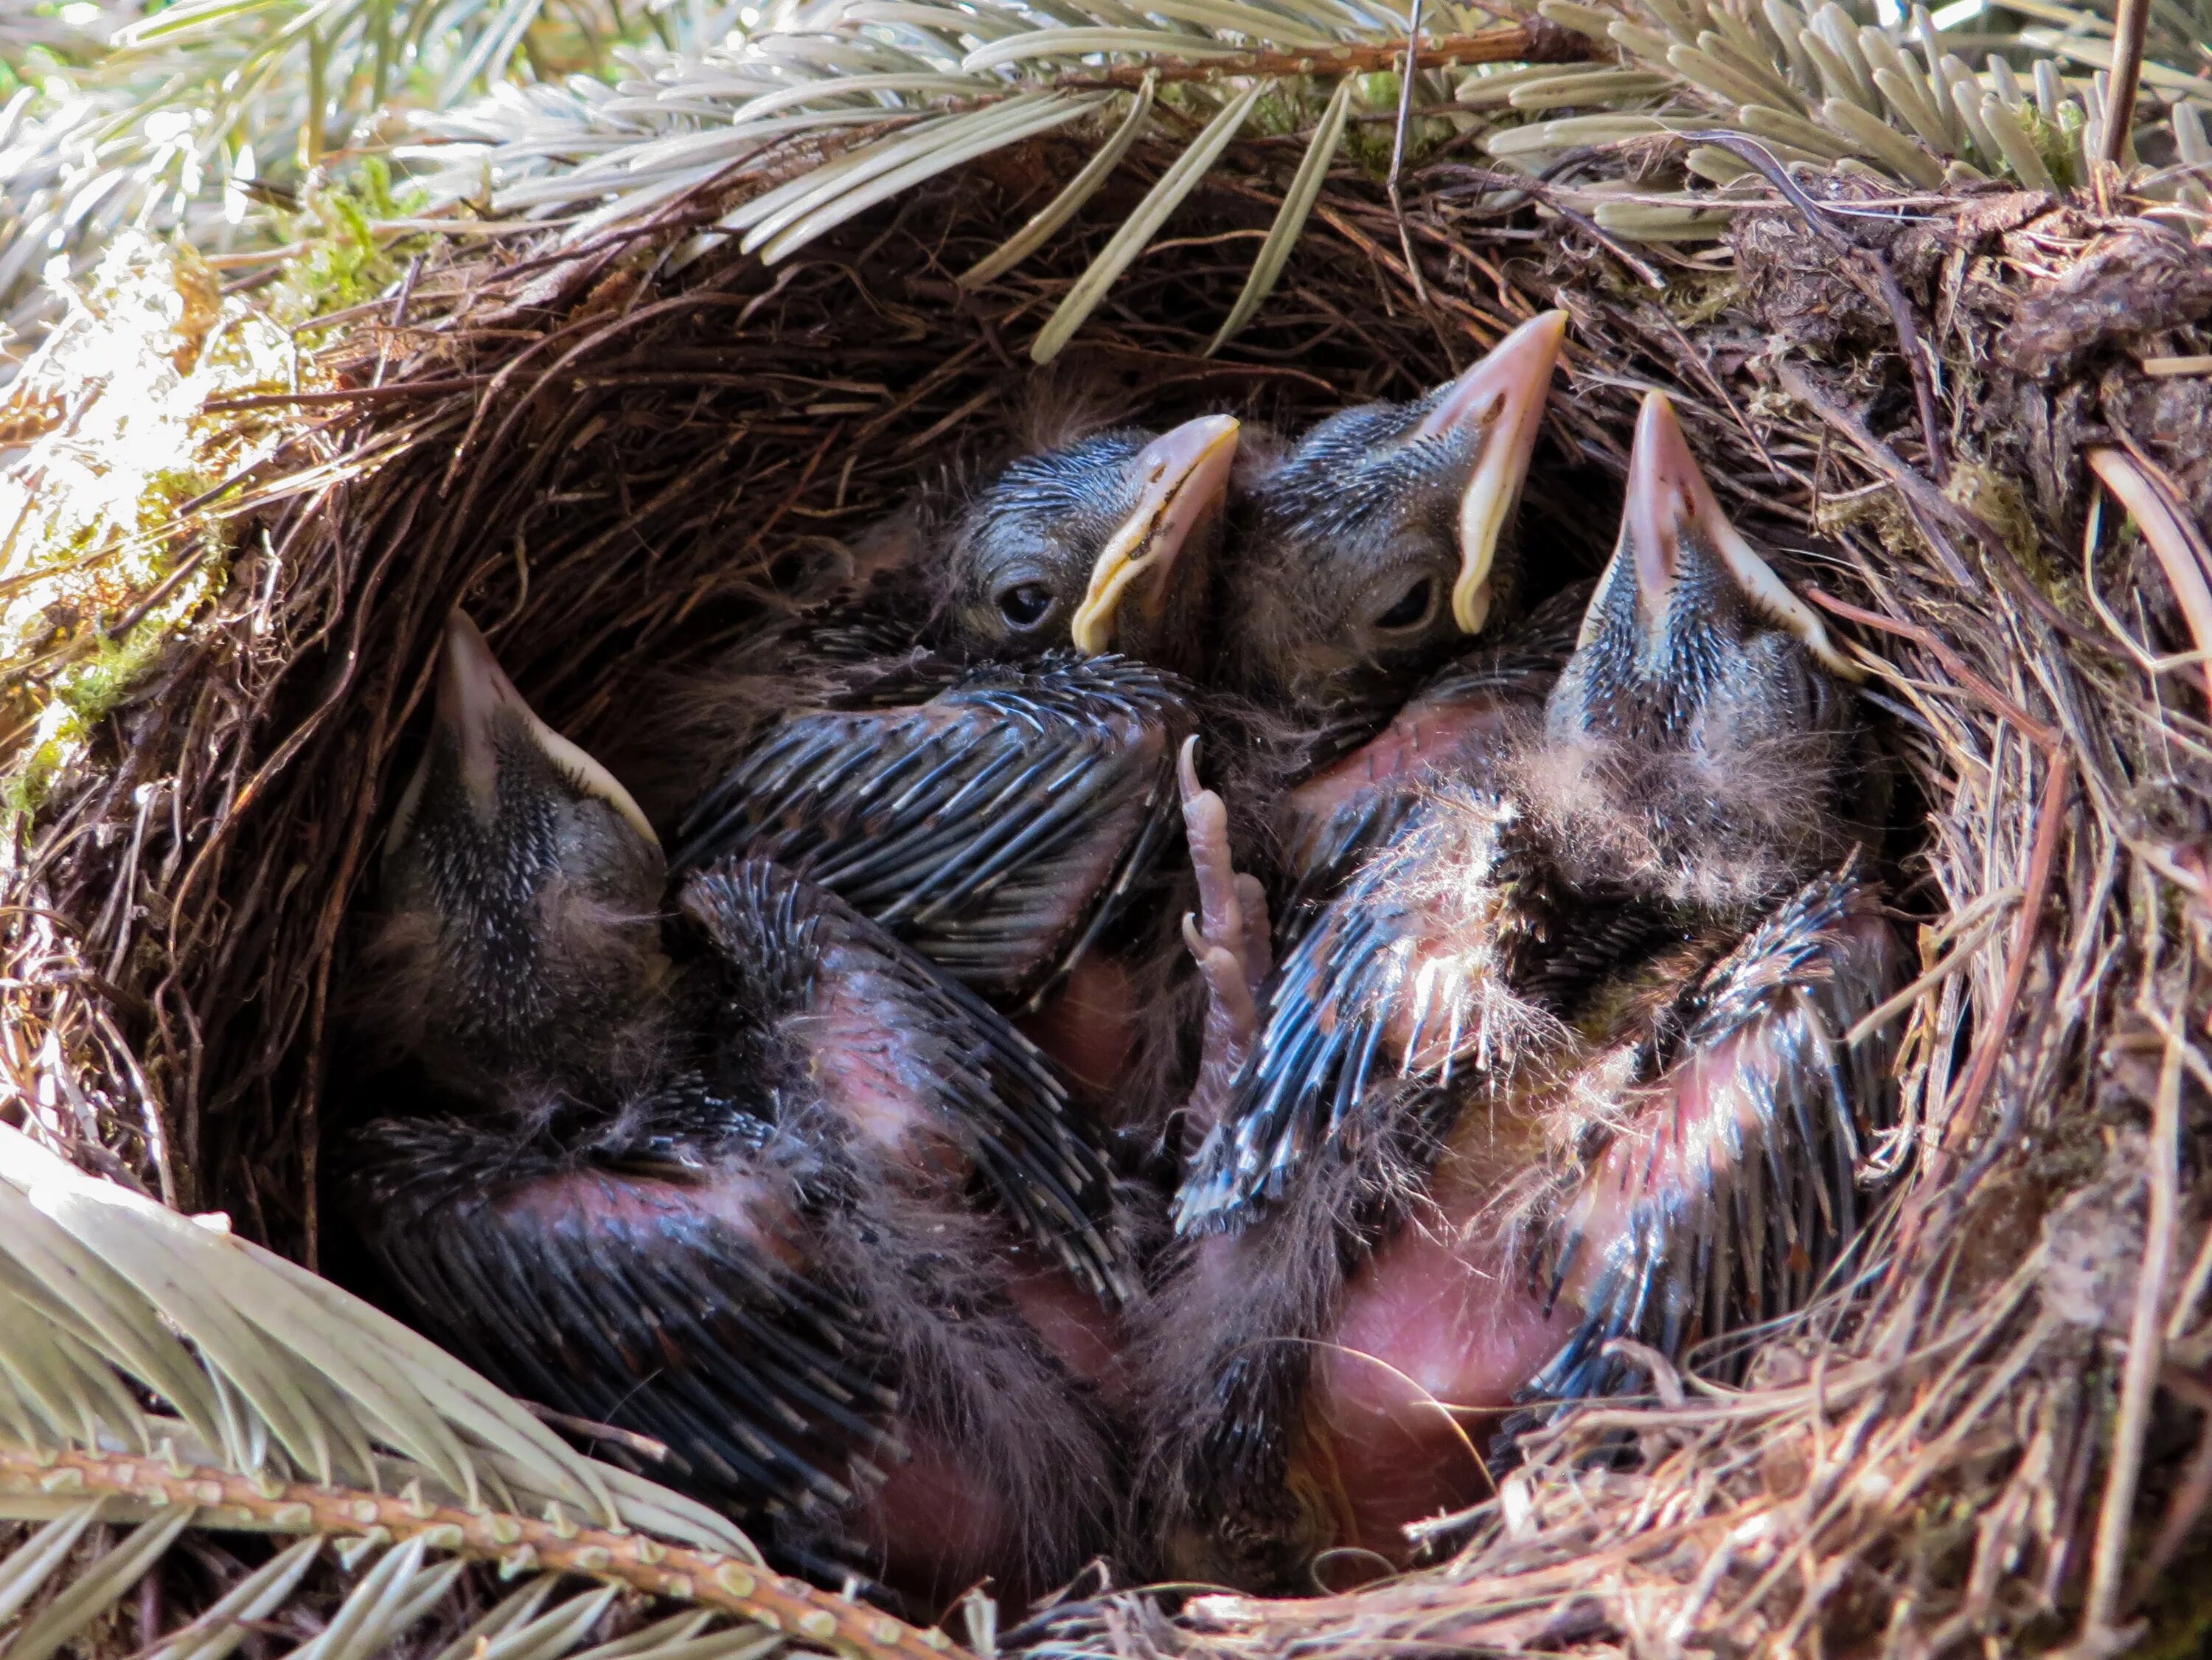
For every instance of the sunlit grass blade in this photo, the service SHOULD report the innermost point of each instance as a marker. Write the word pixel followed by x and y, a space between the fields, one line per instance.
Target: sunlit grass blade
pixel 1165 196
pixel 854 86
pixel 1272 28
pixel 1063 207
pixel 24 1574
pixel 216 1634
pixel 1290 218
pixel 972 140
pixel 96 1587
pixel 1081 42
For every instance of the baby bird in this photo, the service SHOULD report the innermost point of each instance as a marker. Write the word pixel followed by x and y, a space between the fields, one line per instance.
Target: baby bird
pixel 1377 549
pixel 1563 1062
pixel 768 1189
pixel 1378 543
pixel 1104 544
pixel 992 787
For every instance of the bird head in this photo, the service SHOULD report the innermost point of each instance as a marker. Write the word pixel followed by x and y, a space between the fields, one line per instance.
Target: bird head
pixel 1695 744
pixel 521 888
pixel 1105 544
pixel 1374 549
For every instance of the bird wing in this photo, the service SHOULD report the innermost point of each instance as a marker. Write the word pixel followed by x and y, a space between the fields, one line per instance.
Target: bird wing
pixel 996 827
pixel 1408 974
pixel 1457 725
pixel 1735 1185
pixel 662 1298
pixel 907 1061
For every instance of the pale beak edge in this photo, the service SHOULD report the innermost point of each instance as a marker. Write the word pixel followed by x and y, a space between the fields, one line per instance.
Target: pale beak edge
pixel 1505 393
pixel 1666 487
pixel 1186 474
pixel 472 689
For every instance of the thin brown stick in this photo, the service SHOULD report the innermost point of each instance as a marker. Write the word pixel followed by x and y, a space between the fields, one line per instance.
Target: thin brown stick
pixel 1989 1050
pixel 1536 41
pixel 2146 1350
pixel 2129 29
pixel 2042 736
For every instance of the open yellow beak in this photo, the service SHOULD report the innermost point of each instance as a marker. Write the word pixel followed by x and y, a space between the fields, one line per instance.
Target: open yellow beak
pixel 1668 497
pixel 1185 475
pixel 1502 397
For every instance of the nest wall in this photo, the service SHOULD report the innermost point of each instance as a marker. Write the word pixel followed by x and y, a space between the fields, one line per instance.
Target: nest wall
pixel 614 454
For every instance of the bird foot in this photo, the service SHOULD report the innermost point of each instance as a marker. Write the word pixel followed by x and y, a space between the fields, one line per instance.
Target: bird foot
pixel 1228 938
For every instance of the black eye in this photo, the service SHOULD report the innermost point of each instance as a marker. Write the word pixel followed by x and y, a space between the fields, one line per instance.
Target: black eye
pixel 1412 609
pixel 1025 603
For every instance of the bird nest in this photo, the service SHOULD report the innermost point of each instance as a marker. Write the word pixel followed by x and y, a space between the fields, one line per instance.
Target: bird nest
pixel 236 541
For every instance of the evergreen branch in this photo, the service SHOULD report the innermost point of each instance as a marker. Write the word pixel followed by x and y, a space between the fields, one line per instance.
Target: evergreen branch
pixel 220 1498
pixel 1537 41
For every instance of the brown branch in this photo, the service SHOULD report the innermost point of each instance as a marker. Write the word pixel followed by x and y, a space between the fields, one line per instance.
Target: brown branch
pixel 1536 41
pixel 344 395
pixel 2044 736
pixel 2129 28
pixel 2051 814
pixel 518 1544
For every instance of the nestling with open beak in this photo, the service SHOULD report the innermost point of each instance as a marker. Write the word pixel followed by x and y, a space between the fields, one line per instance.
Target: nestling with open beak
pixel 767 1189
pixel 1565 1060
pixel 1380 549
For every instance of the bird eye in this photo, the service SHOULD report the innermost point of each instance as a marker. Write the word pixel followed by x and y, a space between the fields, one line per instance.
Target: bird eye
pixel 1024 605
pixel 1412 609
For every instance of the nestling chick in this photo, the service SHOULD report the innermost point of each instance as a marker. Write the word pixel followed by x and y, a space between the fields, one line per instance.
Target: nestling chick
pixel 1696 741
pixel 1510 1097
pixel 1104 544
pixel 519 933
pixel 994 796
pixel 1377 544
pixel 1377 550
pixel 778 1195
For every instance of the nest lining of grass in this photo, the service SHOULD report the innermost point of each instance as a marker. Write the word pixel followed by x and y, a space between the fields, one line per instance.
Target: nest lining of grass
pixel 614 462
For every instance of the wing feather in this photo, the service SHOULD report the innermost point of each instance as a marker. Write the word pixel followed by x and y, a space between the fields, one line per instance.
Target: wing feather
pixel 658 1304
pixel 1411 972
pixel 1737 1187
pixel 940 1061
pixel 995 826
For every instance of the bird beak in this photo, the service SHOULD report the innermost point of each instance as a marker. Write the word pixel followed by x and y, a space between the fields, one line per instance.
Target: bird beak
pixel 473 695
pixel 1673 517
pixel 1182 477
pixel 1502 400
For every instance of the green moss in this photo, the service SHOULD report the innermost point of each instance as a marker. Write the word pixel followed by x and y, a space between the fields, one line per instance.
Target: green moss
pixel 89 689
pixel 345 262
pixel 2000 503
pixel 23 790
pixel 2057 143
pixel 93 687
pixel 1694 298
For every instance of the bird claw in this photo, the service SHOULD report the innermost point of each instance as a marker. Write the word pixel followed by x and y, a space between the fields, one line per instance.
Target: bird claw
pixel 1227 938
pixel 1226 980
pixel 1232 906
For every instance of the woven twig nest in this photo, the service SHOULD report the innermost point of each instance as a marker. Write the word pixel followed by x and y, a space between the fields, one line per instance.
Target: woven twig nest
pixel 612 452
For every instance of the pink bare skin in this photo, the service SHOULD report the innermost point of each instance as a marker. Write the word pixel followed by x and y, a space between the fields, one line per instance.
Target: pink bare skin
pixel 935 1525
pixel 1447 1314
pixel 1427 735
pixel 1081 1333
pixel 938 1523
pixel 1088 1026
pixel 1432 1338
